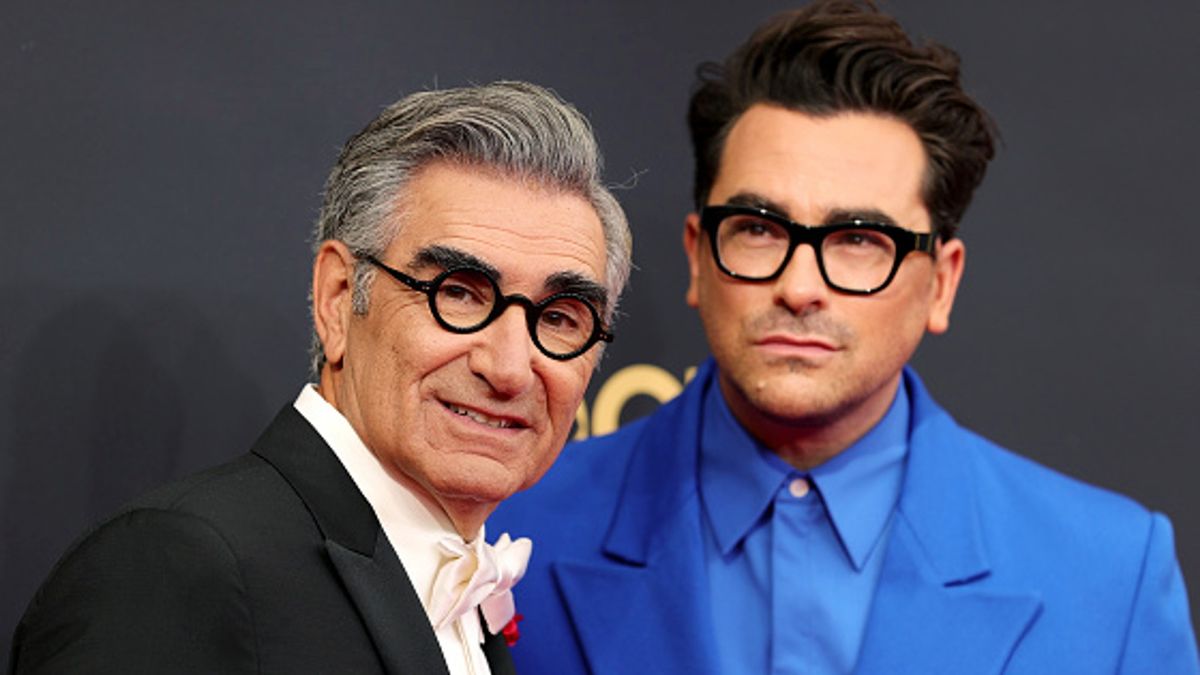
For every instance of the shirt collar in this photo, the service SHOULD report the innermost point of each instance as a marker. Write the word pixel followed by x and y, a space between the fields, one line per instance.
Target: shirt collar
pixel 413 523
pixel 861 485
pixel 739 478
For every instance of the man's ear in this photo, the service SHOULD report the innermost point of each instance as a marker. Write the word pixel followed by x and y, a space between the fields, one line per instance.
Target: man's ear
pixel 691 247
pixel 332 289
pixel 948 271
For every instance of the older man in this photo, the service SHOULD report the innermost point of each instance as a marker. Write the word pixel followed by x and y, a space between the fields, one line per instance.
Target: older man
pixel 468 262
pixel 805 506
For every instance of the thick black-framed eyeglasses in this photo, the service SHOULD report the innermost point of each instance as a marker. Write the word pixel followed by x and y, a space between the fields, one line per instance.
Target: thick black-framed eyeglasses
pixel 856 256
pixel 467 299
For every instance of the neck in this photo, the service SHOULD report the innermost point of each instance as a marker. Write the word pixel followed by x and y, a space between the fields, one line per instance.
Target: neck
pixel 468 519
pixel 807 442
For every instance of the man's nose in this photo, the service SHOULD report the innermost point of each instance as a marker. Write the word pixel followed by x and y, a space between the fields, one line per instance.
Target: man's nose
pixel 504 352
pixel 801 284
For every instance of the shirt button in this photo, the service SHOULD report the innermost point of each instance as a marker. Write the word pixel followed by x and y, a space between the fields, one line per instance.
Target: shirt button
pixel 798 487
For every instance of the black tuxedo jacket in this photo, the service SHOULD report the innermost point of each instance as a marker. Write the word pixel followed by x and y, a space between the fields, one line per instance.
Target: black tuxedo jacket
pixel 273 563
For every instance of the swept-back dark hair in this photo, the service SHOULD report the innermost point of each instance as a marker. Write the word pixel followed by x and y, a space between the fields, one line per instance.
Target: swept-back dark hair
pixel 836 56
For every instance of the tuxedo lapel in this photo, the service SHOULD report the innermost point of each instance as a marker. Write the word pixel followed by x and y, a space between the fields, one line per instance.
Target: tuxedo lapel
pixel 936 609
pixel 389 607
pixel 362 557
pixel 645 607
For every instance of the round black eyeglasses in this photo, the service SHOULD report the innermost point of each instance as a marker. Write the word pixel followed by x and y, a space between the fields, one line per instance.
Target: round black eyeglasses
pixel 858 256
pixel 467 299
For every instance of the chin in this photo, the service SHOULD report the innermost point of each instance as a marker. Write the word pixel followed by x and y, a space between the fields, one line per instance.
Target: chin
pixel 473 483
pixel 797 399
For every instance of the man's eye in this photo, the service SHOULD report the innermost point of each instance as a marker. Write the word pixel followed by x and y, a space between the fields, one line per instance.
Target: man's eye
pixel 566 316
pixel 465 289
pixel 458 293
pixel 752 228
pixel 860 239
pixel 750 234
pixel 559 320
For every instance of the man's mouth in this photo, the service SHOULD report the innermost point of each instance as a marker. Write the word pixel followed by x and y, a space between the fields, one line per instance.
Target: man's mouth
pixel 798 341
pixel 494 422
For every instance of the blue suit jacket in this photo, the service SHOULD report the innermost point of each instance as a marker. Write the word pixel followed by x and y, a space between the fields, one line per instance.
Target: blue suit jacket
pixel 995 564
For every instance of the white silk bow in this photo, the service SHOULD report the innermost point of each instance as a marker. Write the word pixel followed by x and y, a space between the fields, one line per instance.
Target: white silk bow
pixel 478 575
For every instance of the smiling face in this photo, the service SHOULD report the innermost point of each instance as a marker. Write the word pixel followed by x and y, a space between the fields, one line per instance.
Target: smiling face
pixel 807 369
pixel 468 419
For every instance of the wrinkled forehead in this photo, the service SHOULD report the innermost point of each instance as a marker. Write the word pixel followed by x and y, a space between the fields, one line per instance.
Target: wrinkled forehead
pixel 530 236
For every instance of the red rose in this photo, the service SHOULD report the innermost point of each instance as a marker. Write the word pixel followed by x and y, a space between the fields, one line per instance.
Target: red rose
pixel 510 631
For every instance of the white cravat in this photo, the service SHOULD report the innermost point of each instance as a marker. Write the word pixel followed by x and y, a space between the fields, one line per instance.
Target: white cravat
pixel 481 575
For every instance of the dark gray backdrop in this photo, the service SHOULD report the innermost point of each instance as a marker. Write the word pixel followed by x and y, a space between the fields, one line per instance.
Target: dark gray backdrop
pixel 161 162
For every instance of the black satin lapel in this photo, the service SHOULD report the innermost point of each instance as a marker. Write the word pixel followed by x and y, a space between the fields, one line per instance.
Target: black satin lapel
pixel 496 650
pixel 301 456
pixel 390 608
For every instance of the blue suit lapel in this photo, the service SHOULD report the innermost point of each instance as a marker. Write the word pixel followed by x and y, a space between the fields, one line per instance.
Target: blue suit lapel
pixel 932 626
pixel 645 608
pixel 932 612
pixel 637 619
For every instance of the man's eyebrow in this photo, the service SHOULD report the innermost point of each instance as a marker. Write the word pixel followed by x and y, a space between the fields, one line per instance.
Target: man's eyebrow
pixel 574 282
pixel 447 257
pixel 757 201
pixel 869 215
pixel 839 215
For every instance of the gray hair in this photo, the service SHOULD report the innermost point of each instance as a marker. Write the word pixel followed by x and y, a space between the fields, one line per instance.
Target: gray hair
pixel 516 128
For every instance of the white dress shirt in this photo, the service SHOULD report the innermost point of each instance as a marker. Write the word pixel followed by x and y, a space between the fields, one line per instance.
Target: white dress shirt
pixel 408 517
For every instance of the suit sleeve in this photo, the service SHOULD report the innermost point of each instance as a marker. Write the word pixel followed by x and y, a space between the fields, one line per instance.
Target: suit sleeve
pixel 150 591
pixel 1160 639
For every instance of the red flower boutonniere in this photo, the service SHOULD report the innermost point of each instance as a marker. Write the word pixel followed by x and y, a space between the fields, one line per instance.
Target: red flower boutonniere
pixel 510 631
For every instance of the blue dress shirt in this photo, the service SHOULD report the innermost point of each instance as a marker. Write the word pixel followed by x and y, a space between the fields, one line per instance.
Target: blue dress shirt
pixel 794 558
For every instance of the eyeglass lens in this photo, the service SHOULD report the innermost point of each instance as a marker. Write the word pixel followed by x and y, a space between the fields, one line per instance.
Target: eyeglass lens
pixel 754 247
pixel 467 300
